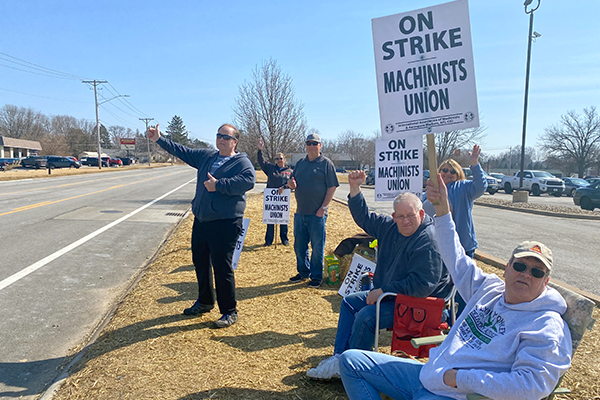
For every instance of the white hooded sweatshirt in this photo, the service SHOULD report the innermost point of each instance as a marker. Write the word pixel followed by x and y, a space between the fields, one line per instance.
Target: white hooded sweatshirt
pixel 502 351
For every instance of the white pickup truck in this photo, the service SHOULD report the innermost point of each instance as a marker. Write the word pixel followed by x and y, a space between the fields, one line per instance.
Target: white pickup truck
pixel 536 182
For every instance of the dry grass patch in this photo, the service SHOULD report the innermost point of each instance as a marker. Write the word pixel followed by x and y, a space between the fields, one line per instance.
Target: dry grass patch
pixel 150 350
pixel 27 173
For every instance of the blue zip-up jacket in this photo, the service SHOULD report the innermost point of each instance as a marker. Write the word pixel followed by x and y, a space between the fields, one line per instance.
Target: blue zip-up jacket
pixel 408 265
pixel 461 195
pixel 234 179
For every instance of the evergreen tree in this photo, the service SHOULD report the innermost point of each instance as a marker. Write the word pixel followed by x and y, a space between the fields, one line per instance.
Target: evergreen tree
pixel 177 132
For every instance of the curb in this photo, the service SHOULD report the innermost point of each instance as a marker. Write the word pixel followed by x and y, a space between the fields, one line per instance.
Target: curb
pixel 501 264
pixel 539 212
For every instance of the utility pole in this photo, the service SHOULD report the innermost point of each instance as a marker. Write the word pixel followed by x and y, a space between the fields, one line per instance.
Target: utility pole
pixel 96 83
pixel 146 132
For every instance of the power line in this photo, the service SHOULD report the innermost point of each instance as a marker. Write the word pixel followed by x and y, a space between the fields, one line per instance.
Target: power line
pixel 35 67
pixel 43 97
pixel 122 100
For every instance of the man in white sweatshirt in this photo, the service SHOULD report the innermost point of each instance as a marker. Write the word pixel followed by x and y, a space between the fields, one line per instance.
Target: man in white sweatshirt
pixel 510 342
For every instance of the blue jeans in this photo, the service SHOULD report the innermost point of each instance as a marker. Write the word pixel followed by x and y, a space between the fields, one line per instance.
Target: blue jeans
pixel 366 374
pixel 309 229
pixel 356 325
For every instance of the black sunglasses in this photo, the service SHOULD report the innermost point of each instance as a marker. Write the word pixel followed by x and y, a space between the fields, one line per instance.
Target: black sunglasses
pixel 278 158
pixel 535 272
pixel 312 143
pixel 446 170
pixel 225 137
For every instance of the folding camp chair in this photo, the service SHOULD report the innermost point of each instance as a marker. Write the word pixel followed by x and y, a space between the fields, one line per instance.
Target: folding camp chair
pixel 416 317
pixel 578 317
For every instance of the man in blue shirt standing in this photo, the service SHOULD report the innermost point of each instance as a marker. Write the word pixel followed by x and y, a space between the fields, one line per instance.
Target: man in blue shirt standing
pixel 315 181
pixel 224 177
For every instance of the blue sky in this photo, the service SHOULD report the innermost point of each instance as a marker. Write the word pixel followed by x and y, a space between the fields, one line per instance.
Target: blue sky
pixel 188 58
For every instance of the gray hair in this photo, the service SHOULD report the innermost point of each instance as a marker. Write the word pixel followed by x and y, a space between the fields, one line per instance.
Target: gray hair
pixel 410 198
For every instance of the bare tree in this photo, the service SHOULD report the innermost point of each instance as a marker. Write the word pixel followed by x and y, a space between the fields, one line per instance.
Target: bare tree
pixel 575 139
pixel 360 148
pixel 446 143
pixel 22 123
pixel 266 108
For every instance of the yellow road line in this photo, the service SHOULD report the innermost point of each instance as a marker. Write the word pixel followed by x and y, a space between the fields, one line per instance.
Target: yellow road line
pixel 46 203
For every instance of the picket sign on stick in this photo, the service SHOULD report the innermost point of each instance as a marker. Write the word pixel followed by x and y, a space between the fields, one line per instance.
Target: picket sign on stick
pixel 432 162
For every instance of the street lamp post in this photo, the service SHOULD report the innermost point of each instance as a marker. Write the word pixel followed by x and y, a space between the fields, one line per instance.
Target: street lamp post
pixel 529 40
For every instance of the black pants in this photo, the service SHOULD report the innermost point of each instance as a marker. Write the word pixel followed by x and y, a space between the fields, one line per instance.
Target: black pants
pixel 213 242
pixel 270 235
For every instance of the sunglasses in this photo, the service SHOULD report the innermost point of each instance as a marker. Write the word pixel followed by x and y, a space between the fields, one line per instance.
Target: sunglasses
pixel 312 143
pixel 278 158
pixel 535 272
pixel 446 170
pixel 225 137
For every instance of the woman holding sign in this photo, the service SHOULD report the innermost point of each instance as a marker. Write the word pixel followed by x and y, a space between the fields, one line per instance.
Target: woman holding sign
pixel 278 175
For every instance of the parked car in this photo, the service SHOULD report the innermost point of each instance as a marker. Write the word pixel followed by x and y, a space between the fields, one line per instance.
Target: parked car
pixel 61 162
pixel 93 161
pixel 491 181
pixel 498 177
pixel 36 162
pixel 536 182
pixel 340 169
pixel 127 160
pixel 115 162
pixel 370 177
pixel 588 197
pixel 84 161
pixel 592 180
pixel 425 178
pixel 572 184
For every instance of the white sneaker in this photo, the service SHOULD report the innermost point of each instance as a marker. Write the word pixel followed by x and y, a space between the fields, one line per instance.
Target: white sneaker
pixel 327 369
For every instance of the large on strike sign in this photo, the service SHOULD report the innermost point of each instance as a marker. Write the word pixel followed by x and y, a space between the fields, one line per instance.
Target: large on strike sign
pixel 425 71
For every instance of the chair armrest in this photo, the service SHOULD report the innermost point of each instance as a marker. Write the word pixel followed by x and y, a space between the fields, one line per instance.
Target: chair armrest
pixel 475 396
pixel 424 341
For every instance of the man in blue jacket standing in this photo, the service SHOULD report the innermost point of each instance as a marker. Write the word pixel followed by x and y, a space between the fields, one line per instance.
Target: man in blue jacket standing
pixel 408 262
pixel 224 177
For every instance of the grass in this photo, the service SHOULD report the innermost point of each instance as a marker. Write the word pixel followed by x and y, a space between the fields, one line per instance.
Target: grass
pixel 149 350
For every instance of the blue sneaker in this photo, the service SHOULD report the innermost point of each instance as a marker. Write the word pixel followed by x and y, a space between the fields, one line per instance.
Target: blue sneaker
pixel 297 278
pixel 226 320
pixel 314 283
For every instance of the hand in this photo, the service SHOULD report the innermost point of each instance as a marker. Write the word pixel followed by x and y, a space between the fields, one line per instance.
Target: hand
pixel 153 133
pixel 211 183
pixel 356 178
pixel 450 377
pixel 261 144
pixel 373 296
pixel 438 196
pixel 280 190
pixel 474 156
pixel 292 184
pixel 320 212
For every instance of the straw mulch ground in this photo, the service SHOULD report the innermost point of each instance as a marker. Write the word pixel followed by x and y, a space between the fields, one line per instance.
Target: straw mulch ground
pixel 150 350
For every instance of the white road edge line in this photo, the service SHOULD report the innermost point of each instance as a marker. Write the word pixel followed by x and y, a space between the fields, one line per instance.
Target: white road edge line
pixel 34 267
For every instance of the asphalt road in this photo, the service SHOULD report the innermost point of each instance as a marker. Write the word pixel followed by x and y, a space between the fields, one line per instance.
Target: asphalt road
pixel 574 242
pixel 70 247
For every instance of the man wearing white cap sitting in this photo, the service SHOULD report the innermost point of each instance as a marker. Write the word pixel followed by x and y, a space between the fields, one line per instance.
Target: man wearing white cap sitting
pixel 509 343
